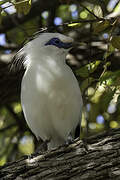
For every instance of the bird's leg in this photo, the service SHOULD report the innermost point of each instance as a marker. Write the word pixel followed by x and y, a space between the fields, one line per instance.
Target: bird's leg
pixel 70 139
pixel 85 145
pixel 42 145
pixel 45 144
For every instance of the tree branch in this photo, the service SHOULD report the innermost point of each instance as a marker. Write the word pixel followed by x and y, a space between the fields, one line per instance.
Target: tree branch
pixel 8 127
pixel 9 47
pixel 101 161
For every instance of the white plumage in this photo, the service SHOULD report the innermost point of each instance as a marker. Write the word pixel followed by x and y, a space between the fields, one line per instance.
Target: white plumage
pixel 50 94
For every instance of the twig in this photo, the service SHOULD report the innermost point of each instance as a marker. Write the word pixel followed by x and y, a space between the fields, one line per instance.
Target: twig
pixel 9 46
pixel 84 21
pixel 15 22
pixel 90 12
pixel 7 128
pixel 9 143
pixel 6 6
pixel 13 113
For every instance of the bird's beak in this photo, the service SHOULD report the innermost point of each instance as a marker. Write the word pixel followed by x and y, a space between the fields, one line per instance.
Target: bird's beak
pixel 67 45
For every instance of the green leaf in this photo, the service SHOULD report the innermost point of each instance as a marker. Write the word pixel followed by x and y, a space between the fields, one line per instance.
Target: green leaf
pixel 83 14
pixel 83 72
pixel 86 83
pixel 110 50
pixel 118 100
pixel 100 26
pixel 2 2
pixel 3 160
pixel 0 15
pixel 106 98
pixel 116 42
pixel 111 78
pixel 94 65
pixel 87 69
pixel 106 75
pixel 74 24
pixel 23 6
pixel 98 11
pixel 117 8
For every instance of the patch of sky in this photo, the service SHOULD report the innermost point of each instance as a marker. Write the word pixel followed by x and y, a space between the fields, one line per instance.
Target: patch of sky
pixel 92 125
pixel 73 7
pixel 88 107
pixel 57 21
pixel 100 119
pixel 111 4
pixel 105 35
pixel 111 108
pixel 7 51
pixel 9 8
pixel 45 14
pixel 2 39
pixel 75 14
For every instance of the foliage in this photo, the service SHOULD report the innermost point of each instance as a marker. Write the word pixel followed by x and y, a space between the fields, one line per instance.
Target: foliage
pixel 95 27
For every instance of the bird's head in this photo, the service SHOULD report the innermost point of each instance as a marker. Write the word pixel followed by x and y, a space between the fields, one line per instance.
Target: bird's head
pixel 50 44
pixel 44 46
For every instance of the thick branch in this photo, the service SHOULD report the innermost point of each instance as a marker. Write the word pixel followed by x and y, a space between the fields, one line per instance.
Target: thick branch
pixel 101 161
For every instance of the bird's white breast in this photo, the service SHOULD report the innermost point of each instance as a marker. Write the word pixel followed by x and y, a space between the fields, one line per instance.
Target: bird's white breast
pixel 51 100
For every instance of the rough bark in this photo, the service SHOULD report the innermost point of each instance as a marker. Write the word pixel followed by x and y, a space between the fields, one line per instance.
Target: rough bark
pixel 100 161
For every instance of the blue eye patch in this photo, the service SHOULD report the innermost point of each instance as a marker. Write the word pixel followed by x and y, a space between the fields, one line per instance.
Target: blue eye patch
pixel 58 43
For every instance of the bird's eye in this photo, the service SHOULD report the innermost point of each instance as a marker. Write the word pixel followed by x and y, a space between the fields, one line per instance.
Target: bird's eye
pixel 57 41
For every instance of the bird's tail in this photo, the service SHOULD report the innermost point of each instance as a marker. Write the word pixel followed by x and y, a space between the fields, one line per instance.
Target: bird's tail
pixel 55 143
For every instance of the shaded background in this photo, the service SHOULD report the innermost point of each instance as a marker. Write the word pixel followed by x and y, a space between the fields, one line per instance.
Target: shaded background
pixel 95 27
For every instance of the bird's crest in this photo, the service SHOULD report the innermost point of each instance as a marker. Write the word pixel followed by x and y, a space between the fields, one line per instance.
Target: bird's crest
pixel 18 60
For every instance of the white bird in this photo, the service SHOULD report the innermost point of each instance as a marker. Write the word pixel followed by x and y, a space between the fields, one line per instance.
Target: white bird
pixel 50 94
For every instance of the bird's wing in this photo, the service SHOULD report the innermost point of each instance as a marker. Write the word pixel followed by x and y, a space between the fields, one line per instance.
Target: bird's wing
pixel 18 60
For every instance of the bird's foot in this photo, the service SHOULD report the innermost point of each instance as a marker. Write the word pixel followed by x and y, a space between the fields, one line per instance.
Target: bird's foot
pixel 85 145
pixel 42 146
pixel 69 140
